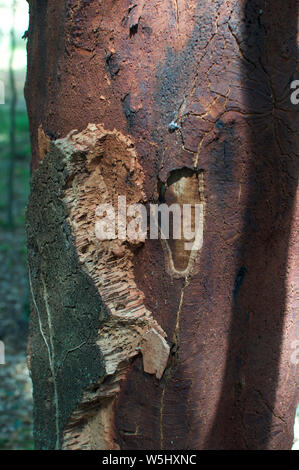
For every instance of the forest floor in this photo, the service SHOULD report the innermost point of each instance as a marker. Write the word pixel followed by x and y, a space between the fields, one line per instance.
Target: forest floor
pixel 16 390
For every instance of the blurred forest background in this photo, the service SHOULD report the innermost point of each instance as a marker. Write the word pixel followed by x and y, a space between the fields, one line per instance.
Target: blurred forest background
pixel 15 388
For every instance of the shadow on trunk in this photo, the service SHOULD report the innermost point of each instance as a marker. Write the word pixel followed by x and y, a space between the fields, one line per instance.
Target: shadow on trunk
pixel 257 402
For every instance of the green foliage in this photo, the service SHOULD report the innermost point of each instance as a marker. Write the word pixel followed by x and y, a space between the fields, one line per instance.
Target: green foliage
pixel 22 165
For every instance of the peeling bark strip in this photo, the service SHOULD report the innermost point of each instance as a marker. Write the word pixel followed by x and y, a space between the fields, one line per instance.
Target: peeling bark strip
pixel 94 167
pixel 110 162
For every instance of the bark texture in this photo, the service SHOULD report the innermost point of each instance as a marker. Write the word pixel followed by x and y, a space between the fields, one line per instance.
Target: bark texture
pixel 139 346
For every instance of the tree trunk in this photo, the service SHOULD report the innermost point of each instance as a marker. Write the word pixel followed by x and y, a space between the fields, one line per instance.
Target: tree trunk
pixel 146 345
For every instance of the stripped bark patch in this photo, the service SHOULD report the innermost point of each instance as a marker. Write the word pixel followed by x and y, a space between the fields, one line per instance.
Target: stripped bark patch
pixel 107 160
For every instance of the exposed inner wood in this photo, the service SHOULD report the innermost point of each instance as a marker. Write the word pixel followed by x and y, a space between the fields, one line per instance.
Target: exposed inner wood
pixel 184 187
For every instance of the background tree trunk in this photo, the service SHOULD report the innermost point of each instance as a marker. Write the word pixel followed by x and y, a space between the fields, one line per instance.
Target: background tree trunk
pixel 12 124
pixel 163 94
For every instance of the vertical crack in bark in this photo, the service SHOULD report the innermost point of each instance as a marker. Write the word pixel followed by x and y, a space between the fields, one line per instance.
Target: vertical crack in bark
pixel 53 361
pixel 161 418
pixel 184 186
pixel 176 333
pixel 176 10
pixel 50 348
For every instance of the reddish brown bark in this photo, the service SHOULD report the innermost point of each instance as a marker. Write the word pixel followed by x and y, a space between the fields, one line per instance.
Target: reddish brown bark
pixel 203 86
